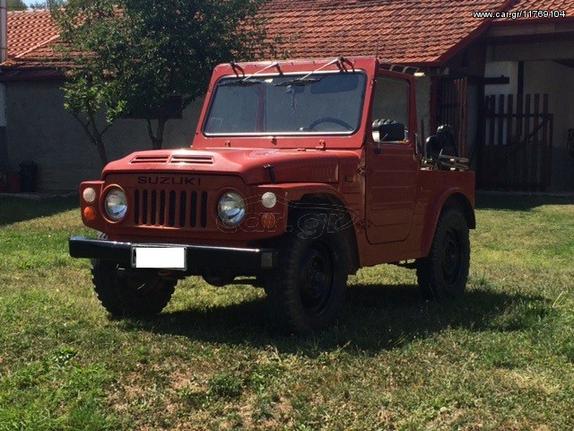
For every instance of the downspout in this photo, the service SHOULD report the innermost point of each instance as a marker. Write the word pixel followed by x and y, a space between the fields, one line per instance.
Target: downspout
pixel 3 58
pixel 3 31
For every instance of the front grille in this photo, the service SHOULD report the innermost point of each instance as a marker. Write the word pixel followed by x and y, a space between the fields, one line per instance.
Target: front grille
pixel 170 208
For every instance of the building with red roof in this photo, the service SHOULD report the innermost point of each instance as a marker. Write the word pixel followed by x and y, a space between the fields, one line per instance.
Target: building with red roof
pixel 499 71
pixel 32 39
pixel 426 32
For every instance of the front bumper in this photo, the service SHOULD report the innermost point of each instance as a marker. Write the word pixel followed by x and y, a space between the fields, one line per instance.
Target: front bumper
pixel 200 259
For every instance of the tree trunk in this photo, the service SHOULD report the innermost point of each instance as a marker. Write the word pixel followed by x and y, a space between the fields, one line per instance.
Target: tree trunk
pixel 95 135
pixel 101 147
pixel 157 136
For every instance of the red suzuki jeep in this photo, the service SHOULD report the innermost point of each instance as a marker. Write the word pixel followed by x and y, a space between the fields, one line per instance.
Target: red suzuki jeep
pixel 300 173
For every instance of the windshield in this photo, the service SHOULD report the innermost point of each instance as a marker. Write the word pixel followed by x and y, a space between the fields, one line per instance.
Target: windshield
pixel 320 103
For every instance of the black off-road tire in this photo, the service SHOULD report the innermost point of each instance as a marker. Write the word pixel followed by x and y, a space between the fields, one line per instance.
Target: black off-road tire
pixel 306 291
pixel 444 273
pixel 127 293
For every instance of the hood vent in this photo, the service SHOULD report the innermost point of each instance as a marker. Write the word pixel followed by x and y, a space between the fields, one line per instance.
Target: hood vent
pixel 186 159
pixel 192 159
pixel 149 159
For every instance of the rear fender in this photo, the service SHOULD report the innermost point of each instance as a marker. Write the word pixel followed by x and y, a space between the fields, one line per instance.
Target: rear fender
pixel 452 197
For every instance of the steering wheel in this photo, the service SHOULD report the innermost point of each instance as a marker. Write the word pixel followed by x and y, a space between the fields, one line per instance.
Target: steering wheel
pixel 330 120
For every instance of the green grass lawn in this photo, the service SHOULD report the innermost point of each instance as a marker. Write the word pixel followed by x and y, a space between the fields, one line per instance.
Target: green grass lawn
pixel 502 359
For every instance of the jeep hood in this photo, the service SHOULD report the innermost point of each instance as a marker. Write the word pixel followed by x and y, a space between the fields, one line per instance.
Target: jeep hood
pixel 254 166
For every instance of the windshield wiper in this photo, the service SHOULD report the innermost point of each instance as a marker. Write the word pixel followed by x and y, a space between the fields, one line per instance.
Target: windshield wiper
pixel 248 80
pixel 242 82
pixel 308 79
pixel 298 81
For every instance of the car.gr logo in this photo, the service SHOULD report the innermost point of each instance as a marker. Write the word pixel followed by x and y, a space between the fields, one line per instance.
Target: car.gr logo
pixel 173 181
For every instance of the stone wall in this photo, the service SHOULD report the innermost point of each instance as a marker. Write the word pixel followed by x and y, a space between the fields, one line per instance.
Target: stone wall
pixel 39 129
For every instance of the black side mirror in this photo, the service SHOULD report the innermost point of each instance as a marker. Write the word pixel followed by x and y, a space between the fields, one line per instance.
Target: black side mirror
pixel 388 131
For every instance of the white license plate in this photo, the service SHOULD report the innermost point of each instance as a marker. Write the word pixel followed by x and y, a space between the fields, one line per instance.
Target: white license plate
pixel 159 258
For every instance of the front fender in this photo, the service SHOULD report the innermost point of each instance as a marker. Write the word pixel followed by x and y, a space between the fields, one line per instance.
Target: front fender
pixel 319 192
pixel 295 192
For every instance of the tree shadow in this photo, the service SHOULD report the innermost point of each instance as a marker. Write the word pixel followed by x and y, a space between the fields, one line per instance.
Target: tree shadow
pixel 518 202
pixel 376 318
pixel 14 209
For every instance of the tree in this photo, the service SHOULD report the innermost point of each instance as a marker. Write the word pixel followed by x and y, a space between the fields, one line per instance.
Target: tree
pixel 133 57
pixel 16 5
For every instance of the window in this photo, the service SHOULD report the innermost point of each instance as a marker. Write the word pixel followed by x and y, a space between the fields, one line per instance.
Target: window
pixel 391 101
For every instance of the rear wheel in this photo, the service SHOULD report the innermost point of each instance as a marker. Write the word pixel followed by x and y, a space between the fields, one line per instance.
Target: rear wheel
pixel 307 290
pixel 444 273
pixel 128 293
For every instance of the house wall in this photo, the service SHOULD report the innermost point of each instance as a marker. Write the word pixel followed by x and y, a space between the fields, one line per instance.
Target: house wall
pixel 423 107
pixel 39 129
pixel 3 148
pixel 530 51
pixel 497 69
pixel 556 80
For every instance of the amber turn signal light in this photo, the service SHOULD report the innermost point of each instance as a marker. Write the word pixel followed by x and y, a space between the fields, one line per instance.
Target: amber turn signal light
pixel 89 213
pixel 268 221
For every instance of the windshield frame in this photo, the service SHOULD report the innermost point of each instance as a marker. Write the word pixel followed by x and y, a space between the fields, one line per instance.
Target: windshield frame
pixel 301 73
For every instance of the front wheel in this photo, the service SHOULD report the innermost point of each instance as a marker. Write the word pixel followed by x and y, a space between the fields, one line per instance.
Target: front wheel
pixel 307 291
pixel 128 293
pixel 444 273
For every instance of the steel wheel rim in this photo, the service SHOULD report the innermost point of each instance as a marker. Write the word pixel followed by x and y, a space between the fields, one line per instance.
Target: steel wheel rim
pixel 452 258
pixel 140 284
pixel 316 278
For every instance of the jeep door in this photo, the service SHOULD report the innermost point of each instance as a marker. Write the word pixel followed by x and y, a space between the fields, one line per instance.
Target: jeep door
pixel 391 163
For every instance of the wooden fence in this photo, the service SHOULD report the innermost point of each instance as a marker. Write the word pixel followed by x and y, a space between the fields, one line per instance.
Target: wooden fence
pixel 517 149
pixel 453 110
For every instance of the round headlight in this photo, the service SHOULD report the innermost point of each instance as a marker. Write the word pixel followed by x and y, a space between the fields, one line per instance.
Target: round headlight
pixel 231 209
pixel 116 204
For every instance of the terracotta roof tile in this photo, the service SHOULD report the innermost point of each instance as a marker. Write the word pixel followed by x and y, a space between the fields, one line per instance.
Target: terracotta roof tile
pixel 28 30
pixel 397 31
